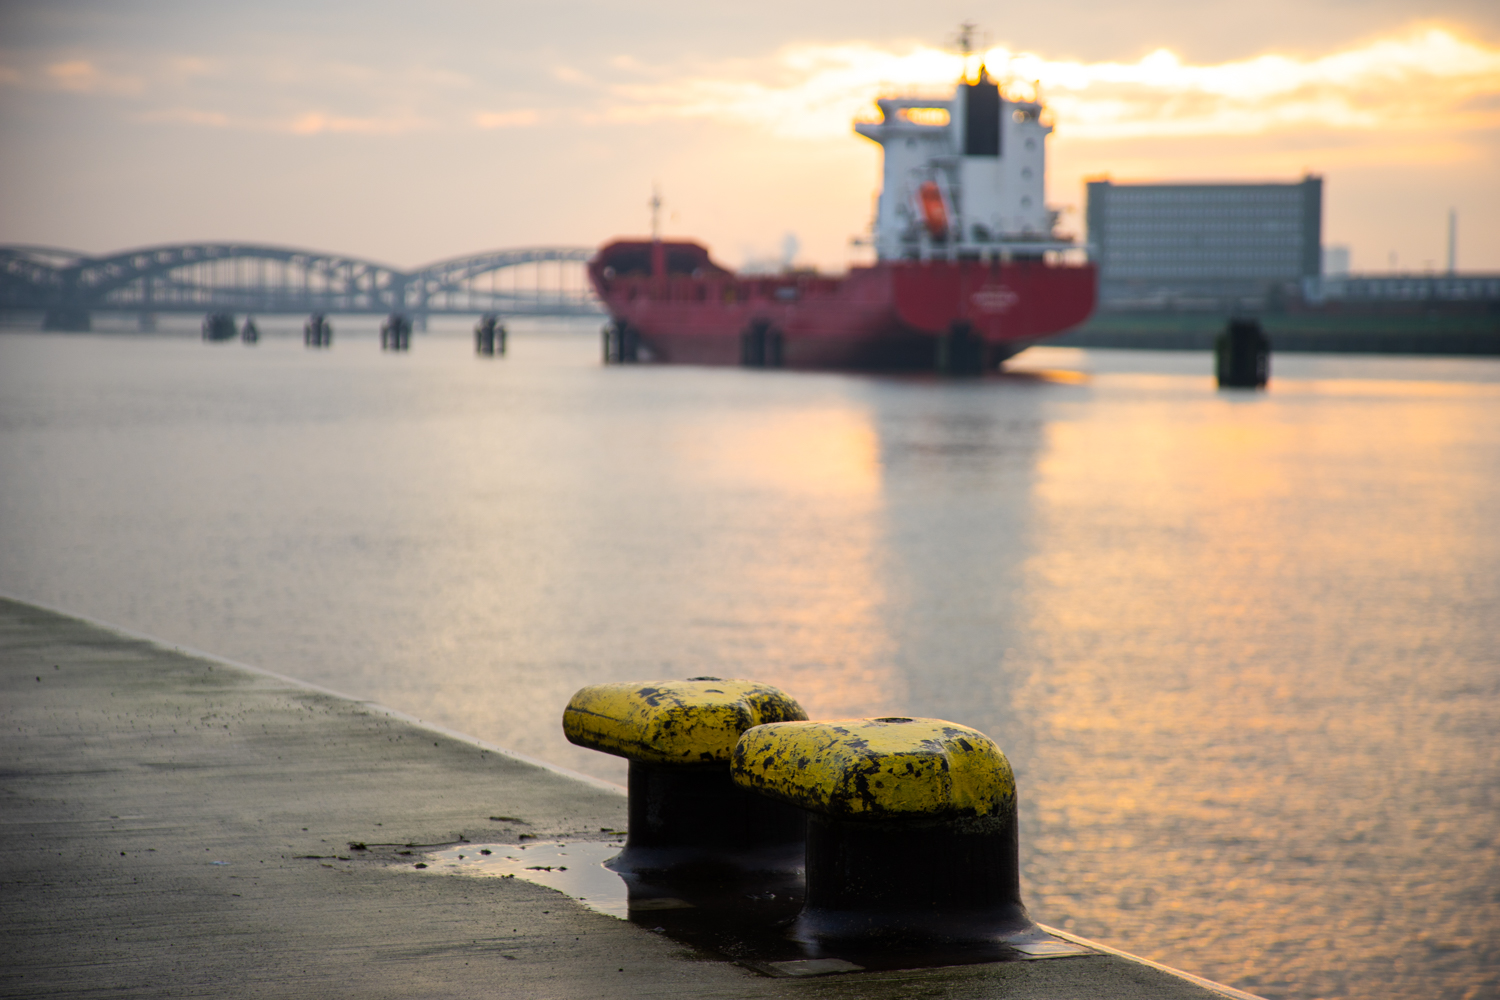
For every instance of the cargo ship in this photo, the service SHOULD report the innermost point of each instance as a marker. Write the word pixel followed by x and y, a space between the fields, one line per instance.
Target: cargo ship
pixel 968 271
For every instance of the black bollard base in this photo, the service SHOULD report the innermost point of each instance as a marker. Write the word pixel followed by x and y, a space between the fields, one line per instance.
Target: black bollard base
pixel 878 887
pixel 692 823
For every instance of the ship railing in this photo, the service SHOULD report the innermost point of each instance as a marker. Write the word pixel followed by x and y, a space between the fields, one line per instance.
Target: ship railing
pixel 1053 252
pixel 758 288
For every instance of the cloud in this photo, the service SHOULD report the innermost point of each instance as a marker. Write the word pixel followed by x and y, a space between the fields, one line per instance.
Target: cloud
pixel 84 74
pixel 186 116
pixel 308 123
pixel 81 76
pixel 187 70
pixel 805 92
pixel 1426 80
pixel 317 123
pixel 506 119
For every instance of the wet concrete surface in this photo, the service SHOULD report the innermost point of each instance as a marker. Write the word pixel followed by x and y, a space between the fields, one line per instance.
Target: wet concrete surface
pixel 179 826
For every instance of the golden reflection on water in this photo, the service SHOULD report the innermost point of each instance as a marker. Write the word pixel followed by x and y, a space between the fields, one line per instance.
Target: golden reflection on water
pixel 795 452
pixel 1386 388
pixel 767 512
pixel 812 567
pixel 1264 706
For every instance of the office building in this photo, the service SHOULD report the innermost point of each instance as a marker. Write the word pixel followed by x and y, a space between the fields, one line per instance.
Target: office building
pixel 1204 245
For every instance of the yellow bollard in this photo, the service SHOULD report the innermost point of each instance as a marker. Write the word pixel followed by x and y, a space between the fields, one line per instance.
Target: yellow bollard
pixel 911 838
pixel 688 819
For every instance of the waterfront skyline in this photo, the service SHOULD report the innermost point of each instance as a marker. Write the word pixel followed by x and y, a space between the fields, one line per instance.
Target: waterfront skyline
pixel 400 138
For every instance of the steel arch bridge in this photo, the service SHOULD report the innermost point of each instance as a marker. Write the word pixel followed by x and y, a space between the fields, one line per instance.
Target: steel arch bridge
pixel 67 286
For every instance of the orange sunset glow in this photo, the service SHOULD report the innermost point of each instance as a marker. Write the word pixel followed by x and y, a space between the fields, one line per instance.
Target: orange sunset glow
pixel 496 140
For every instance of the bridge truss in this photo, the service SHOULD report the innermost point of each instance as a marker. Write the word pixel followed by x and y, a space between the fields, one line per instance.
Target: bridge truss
pixel 68 286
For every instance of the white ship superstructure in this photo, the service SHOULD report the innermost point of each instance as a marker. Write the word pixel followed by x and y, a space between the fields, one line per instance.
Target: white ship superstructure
pixel 964 177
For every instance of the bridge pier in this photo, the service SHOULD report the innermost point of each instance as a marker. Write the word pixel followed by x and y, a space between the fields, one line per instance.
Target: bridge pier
pixel 621 343
pixel 219 326
pixel 317 331
pixel 489 336
pixel 1242 356
pixel 761 345
pixel 67 319
pixel 395 333
pixel 959 351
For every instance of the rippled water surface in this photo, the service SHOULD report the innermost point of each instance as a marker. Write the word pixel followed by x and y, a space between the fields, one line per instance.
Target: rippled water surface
pixel 1241 648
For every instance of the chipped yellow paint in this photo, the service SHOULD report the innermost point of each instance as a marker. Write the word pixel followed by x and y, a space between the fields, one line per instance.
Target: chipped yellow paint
pixel 694 721
pixel 877 768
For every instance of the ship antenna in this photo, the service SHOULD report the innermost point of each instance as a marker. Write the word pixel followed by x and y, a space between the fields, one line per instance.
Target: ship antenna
pixel 655 204
pixel 966 38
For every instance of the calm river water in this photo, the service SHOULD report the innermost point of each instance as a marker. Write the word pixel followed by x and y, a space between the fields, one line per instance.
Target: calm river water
pixel 1241 648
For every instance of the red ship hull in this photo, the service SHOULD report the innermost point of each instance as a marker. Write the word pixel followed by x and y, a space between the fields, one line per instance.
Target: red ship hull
pixel 673 301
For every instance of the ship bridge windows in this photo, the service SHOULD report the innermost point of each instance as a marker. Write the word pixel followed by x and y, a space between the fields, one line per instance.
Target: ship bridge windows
pixel 685 261
pixel 932 117
pixel 631 261
pixel 634 259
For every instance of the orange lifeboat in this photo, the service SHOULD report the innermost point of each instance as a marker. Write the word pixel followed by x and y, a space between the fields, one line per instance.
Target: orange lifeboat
pixel 934 209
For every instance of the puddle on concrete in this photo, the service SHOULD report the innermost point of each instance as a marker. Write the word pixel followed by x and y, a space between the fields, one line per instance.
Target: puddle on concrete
pixel 575 868
pixel 746 928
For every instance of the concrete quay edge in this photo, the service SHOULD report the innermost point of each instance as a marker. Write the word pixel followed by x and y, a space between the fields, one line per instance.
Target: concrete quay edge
pixel 366 704
pixel 181 825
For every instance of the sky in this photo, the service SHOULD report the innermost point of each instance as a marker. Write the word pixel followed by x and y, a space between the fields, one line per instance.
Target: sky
pixel 409 133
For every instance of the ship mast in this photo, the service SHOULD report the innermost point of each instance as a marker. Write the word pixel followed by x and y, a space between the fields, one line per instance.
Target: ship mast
pixel 658 252
pixel 966 38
